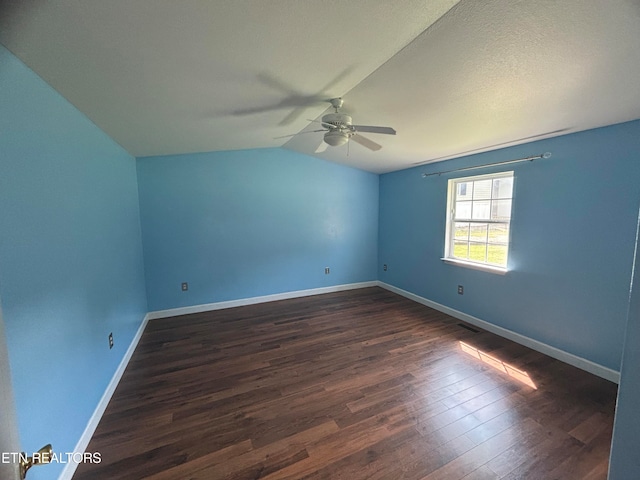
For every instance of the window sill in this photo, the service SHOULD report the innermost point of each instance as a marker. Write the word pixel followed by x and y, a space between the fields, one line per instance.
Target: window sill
pixel 475 266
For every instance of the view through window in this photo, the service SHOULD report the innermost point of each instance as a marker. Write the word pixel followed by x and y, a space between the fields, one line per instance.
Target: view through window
pixel 479 218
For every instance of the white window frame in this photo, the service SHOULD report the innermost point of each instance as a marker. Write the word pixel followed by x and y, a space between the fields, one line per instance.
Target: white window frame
pixel 451 220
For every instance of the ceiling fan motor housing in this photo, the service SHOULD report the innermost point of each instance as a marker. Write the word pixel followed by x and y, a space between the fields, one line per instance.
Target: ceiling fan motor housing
pixel 340 120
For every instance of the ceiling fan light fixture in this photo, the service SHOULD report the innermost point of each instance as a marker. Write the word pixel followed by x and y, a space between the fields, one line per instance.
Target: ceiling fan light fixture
pixel 335 138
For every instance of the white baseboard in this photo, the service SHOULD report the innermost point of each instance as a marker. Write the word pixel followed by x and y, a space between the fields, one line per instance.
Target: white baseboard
pixel 82 444
pixel 541 347
pixel 208 307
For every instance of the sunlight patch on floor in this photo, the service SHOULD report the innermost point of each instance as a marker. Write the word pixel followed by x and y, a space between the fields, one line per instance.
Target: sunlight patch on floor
pixel 498 364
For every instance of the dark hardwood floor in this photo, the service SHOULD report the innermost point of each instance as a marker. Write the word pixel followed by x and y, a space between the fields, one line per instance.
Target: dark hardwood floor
pixel 350 385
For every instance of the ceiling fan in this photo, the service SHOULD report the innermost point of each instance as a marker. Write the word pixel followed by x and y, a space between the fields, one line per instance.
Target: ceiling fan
pixel 339 129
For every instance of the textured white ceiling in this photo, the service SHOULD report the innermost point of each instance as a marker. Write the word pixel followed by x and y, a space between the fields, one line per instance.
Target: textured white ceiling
pixel 163 77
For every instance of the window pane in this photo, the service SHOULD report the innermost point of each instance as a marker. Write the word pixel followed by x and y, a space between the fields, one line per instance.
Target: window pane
pixel 478 218
pixel 460 249
pixel 464 190
pixel 482 189
pixel 497 254
pixel 478 252
pixel 463 210
pixel 501 210
pixel 499 233
pixel 502 187
pixel 481 210
pixel 478 232
pixel 462 231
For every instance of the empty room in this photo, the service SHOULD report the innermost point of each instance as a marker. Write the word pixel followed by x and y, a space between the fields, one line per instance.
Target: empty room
pixel 319 239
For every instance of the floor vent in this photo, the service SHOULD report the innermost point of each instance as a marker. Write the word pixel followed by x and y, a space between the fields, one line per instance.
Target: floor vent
pixel 467 327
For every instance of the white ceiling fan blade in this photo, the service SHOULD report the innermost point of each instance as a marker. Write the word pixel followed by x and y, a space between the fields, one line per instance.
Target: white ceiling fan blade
pixel 365 142
pixel 299 133
pixel 328 125
pixel 322 147
pixel 374 129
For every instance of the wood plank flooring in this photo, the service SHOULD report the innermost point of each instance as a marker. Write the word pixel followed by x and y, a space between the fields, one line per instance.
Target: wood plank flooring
pixel 349 385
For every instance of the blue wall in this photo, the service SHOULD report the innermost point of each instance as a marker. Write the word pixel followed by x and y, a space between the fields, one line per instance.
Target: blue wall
pixel 625 462
pixel 71 268
pixel 572 239
pixel 253 222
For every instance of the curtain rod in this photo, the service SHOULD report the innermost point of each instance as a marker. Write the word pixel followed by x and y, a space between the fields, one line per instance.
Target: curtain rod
pixel 527 159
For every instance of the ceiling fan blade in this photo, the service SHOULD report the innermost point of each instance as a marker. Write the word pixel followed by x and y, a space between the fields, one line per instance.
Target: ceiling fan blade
pixel 299 133
pixel 374 129
pixel 322 147
pixel 328 125
pixel 365 142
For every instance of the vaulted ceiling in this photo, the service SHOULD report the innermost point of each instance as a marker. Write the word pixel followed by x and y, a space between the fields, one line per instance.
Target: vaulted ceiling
pixel 452 77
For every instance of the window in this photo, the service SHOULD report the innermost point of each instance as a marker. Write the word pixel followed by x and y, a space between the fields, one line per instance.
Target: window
pixel 478 220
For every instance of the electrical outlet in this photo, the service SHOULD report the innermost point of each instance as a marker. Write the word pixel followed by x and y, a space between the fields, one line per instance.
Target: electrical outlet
pixel 327 270
pixel 185 286
pixel 384 267
pixel 460 290
pixel 111 340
